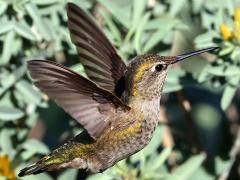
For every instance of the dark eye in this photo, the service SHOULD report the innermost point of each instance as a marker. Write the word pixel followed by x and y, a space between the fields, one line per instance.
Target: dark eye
pixel 159 67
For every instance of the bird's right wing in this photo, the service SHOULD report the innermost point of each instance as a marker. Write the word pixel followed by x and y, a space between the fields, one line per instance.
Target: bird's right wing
pixel 89 104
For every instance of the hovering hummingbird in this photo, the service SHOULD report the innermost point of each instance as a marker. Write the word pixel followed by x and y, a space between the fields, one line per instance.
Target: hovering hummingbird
pixel 118 106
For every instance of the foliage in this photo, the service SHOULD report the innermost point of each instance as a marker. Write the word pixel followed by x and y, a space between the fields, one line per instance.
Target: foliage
pixel 37 29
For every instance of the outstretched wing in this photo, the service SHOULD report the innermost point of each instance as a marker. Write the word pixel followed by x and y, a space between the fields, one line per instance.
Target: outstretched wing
pixel 99 58
pixel 89 104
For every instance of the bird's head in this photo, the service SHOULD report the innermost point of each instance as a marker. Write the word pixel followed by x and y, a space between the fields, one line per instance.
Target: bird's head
pixel 145 74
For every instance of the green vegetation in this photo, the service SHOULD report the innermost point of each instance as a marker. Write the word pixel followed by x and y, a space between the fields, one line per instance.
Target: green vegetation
pixel 202 90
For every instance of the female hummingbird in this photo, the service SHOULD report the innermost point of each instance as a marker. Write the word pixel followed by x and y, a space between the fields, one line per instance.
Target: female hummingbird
pixel 118 106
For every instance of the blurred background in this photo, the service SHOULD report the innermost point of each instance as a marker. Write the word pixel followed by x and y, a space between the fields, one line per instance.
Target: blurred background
pixel 198 136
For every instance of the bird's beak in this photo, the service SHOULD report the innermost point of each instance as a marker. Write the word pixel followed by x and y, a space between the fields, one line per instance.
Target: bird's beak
pixel 194 53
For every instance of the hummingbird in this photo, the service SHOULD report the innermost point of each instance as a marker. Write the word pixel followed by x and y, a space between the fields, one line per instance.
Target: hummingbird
pixel 117 105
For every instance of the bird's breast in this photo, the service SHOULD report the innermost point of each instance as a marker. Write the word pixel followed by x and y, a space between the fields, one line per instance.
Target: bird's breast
pixel 127 138
pixel 126 142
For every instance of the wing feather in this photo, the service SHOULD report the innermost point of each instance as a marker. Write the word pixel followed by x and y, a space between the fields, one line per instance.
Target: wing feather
pixel 99 58
pixel 78 96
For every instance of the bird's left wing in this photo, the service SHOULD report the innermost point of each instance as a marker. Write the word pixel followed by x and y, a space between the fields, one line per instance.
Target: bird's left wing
pixel 102 63
pixel 86 102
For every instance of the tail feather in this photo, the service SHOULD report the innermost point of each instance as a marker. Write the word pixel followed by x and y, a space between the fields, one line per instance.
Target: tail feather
pixel 33 169
pixel 43 165
pixel 62 157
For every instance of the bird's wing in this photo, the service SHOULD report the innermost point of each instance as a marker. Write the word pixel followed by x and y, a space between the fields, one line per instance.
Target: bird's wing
pixel 99 58
pixel 86 102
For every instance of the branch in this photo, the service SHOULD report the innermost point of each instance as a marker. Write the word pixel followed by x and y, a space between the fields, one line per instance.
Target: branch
pixel 186 108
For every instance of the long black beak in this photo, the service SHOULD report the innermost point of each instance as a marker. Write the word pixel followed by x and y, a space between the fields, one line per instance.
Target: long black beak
pixel 194 53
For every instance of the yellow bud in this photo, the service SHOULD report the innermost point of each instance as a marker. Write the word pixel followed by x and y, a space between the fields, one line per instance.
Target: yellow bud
pixel 5 169
pixel 226 34
pixel 236 30
pixel 237 14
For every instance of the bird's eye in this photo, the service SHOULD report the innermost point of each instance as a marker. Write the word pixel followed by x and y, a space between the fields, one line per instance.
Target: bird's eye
pixel 159 67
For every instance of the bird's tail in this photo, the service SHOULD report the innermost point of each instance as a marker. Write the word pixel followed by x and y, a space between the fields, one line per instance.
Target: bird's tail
pixel 44 164
pixel 59 158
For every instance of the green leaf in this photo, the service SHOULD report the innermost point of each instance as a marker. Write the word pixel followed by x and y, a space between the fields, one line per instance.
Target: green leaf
pixel 222 70
pixel 138 9
pixel 7 48
pixel 29 94
pixel 31 119
pixel 173 82
pixel 10 113
pixel 188 168
pixel 171 87
pixel 216 70
pixel 203 76
pixel 113 28
pixel 197 5
pixel 53 9
pixel 227 96
pixel 139 31
pixel 3 7
pixel 235 54
pixel 33 146
pixel 175 74
pixel 42 176
pixel 38 21
pixel 221 165
pixel 6 26
pixel 22 134
pixel 68 174
pixel 103 176
pixel 226 50
pixel 23 29
pixel 206 40
pixel 122 14
pixel 159 35
pixel 161 158
pixel 6 142
pixel 176 7
pixel 17 47
pixel 45 2
pixel 202 174
pixel 159 23
pixel 6 100
pixel 232 71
